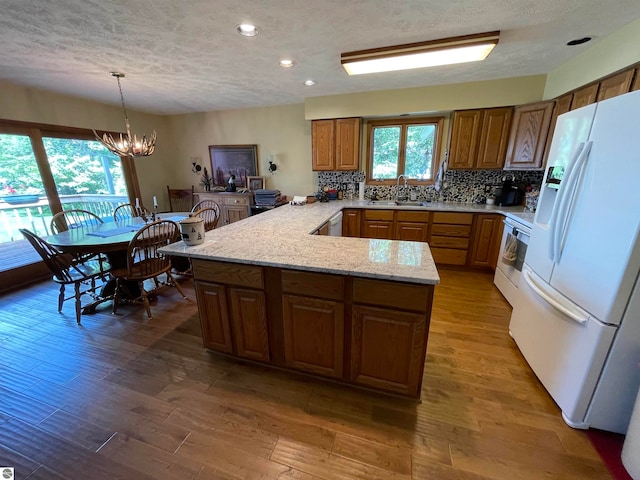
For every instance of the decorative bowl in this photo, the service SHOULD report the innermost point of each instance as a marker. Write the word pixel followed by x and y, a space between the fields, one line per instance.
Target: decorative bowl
pixel 20 199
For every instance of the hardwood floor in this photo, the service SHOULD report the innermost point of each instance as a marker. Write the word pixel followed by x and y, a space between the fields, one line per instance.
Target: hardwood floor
pixel 121 397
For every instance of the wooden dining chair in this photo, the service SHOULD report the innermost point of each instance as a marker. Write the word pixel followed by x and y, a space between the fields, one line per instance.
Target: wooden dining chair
pixel 124 211
pixel 75 218
pixel 67 270
pixel 181 199
pixel 145 262
pixel 209 211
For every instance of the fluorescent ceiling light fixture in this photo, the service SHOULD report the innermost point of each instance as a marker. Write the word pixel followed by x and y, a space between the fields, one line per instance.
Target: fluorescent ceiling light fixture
pixel 247 30
pixel 447 51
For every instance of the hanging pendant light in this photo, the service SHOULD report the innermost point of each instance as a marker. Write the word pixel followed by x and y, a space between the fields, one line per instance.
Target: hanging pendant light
pixel 127 146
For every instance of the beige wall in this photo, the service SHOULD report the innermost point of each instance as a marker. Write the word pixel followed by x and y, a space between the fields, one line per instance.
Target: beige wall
pixel 490 93
pixel 30 105
pixel 615 52
pixel 281 133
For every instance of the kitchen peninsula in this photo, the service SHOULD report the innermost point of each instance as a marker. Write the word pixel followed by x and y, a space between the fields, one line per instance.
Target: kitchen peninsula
pixel 355 310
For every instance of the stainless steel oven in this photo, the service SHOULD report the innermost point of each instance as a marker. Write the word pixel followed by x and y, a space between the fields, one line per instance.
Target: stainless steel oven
pixel 510 260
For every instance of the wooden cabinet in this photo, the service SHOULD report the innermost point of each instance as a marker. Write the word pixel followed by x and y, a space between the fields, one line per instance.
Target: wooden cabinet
pixel 323 230
pixel 249 320
pixel 450 233
pixel 635 85
pixel 214 316
pixel 378 224
pixel 585 96
pixel 233 206
pixel 487 234
pixel 528 136
pixel 351 223
pixel 412 225
pixel 479 138
pixel 390 323
pixel 335 144
pixel 615 85
pixel 231 303
pixel 464 138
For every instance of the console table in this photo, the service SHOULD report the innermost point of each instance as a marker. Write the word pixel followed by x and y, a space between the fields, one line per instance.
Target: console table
pixel 233 206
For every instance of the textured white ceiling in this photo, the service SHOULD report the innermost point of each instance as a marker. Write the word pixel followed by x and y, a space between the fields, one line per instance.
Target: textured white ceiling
pixel 185 56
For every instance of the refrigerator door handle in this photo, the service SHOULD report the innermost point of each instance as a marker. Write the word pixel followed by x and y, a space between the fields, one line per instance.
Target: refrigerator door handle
pixel 567 200
pixel 553 221
pixel 569 310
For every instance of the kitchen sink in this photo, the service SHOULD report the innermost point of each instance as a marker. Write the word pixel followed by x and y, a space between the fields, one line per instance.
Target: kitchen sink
pixel 411 204
pixel 381 202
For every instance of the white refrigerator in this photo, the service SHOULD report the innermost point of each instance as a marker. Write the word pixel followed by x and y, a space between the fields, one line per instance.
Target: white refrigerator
pixel 576 319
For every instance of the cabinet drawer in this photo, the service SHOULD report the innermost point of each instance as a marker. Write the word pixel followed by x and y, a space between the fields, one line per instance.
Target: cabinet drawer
pixel 449 256
pixel 392 294
pixel 455 218
pixel 313 284
pixel 406 216
pixel 228 273
pixel 378 215
pixel 237 200
pixel 451 230
pixel 449 242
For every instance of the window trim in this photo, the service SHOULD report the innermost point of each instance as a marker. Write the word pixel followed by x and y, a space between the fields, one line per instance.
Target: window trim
pixel 404 122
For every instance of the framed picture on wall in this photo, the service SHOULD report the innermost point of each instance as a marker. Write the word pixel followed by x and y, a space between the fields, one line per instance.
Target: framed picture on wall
pixel 256 183
pixel 238 160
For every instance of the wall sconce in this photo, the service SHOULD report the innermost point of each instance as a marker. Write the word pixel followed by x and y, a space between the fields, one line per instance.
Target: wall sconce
pixel 196 168
pixel 447 51
pixel 272 167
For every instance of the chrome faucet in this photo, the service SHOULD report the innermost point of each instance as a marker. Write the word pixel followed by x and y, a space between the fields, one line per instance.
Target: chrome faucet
pixel 398 186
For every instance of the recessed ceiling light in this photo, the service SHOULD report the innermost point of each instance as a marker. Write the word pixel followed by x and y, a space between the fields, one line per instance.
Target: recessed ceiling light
pixel 247 30
pixel 310 83
pixel 578 41
pixel 286 63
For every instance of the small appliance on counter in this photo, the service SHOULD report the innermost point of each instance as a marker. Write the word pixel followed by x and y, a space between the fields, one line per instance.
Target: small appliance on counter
pixel 508 193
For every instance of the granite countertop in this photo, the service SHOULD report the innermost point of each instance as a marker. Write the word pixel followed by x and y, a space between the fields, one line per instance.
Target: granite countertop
pixel 282 238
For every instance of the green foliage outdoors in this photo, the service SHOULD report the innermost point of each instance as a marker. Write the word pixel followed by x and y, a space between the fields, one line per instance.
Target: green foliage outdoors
pixel 78 167
pixel 418 151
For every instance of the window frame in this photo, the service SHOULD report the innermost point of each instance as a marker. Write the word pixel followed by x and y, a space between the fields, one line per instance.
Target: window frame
pixel 404 123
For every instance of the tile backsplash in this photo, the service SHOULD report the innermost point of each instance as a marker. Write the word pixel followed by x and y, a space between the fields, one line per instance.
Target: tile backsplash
pixel 458 186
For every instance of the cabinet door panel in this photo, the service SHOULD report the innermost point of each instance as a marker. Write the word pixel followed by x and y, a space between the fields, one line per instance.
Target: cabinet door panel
pixel 214 317
pixel 351 223
pixel 388 349
pixel 249 316
pixel 486 240
pixel 563 105
pixel 314 335
pixel 235 214
pixel 322 145
pixel 378 229
pixel 449 242
pixel 494 137
pixel 636 80
pixel 464 138
pixel 347 144
pixel 585 96
pixel 449 256
pixel 616 85
pixel 528 136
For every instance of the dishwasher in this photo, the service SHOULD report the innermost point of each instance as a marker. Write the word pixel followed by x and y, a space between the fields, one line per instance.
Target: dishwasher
pixel 509 267
pixel 335 225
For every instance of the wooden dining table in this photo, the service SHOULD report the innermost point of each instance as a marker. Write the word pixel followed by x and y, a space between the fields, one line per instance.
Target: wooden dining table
pixel 111 239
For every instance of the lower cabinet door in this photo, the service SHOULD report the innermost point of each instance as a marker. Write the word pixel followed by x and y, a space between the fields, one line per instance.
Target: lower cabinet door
pixel 388 349
pixel 314 335
pixel 235 214
pixel 249 317
pixel 214 316
pixel 378 229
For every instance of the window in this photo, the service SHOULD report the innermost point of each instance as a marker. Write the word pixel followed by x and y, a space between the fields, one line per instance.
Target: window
pixel 407 147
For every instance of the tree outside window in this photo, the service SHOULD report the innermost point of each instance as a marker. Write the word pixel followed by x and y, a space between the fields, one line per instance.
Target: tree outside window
pixel 404 147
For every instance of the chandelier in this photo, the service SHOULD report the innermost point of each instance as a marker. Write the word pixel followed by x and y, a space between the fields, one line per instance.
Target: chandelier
pixel 127 146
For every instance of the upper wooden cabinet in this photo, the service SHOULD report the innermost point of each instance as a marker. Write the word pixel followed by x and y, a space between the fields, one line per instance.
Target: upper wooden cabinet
pixel 615 85
pixel 636 80
pixel 585 96
pixel 528 136
pixel 479 138
pixel 335 144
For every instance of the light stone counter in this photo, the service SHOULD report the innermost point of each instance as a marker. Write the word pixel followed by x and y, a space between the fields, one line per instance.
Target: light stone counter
pixel 282 238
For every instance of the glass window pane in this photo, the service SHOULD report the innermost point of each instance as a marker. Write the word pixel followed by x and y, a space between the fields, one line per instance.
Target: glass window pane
pixel 419 151
pixel 87 175
pixel 22 200
pixel 386 148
